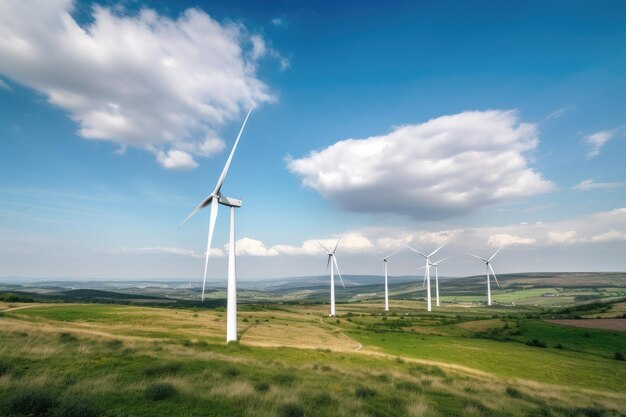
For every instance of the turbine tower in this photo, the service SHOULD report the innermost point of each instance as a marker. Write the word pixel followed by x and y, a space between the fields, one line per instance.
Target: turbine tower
pixel 436 265
pixel 332 262
pixel 489 267
pixel 427 272
pixel 215 199
pixel 386 287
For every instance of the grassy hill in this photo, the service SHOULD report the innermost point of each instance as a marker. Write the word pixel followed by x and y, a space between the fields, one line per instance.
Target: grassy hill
pixel 133 353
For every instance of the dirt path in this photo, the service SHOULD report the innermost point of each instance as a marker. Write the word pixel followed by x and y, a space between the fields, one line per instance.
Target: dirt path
pixel 603 324
pixel 338 330
pixel 22 307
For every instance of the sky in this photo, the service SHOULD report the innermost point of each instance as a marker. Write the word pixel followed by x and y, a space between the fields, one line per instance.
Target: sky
pixel 484 125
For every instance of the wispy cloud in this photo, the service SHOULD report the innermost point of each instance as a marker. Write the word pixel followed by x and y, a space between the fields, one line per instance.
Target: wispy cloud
pixel 168 250
pixel 560 112
pixel 588 185
pixel 597 141
pixel 280 22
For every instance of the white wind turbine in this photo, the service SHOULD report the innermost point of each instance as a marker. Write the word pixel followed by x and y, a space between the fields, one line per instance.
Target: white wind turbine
pixel 489 267
pixel 436 265
pixel 386 287
pixel 332 262
pixel 215 199
pixel 427 271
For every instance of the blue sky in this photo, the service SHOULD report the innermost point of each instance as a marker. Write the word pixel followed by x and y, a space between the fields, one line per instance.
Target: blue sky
pixel 487 125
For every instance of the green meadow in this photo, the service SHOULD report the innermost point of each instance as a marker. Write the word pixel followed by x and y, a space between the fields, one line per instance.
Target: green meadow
pixel 64 359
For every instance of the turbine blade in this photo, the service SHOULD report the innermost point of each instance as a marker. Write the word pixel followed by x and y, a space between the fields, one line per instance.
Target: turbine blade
pixel 479 257
pixel 214 208
pixel 494 275
pixel 328 264
pixel 494 255
pixel 425 272
pixel 337 244
pixel 421 267
pixel 337 266
pixel 199 207
pixel 437 250
pixel 218 186
pixel 440 261
pixel 325 248
pixel 416 251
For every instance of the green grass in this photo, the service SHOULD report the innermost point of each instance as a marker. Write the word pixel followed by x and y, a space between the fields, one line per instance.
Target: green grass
pixel 118 363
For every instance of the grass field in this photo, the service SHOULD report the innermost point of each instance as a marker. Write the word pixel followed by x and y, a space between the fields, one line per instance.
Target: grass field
pixel 112 360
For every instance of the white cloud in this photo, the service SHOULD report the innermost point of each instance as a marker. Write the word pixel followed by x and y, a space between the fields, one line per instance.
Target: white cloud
pixel 176 160
pixel 608 236
pixel 144 80
pixel 587 185
pixel 353 242
pixel 505 239
pixel 597 141
pixel 384 240
pixel 159 250
pixel 562 237
pixel 444 167
pixel 252 247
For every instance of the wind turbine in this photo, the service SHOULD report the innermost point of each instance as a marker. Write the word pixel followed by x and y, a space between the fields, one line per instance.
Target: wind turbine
pixel 332 262
pixel 436 265
pixel 489 267
pixel 386 287
pixel 427 272
pixel 215 199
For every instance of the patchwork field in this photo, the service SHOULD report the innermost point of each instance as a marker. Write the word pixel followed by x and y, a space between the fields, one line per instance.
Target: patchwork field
pixel 293 360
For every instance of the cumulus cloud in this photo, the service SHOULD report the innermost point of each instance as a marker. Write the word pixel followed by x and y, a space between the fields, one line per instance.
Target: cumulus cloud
pixel 167 85
pixel 587 185
pixel 568 236
pixel 597 141
pixel 253 247
pixel 442 168
pixel 505 239
pixel 176 160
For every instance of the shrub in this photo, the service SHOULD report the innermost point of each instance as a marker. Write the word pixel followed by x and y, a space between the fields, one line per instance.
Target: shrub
pixel 364 392
pixel 75 407
pixel 5 367
pixel 284 379
pixel 408 386
pixel 513 392
pixel 162 369
pixel 67 338
pixel 114 344
pixel 262 387
pixel 619 356
pixel 160 391
pixel 31 401
pixel 536 343
pixel 558 346
pixel 291 410
pixel 231 372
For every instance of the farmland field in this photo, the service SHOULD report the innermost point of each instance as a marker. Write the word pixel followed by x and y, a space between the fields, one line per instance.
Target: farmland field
pixel 99 359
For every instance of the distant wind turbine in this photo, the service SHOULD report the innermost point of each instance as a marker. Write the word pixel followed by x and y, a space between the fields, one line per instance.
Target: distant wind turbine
pixel 386 286
pixel 427 271
pixel 332 262
pixel 215 199
pixel 436 265
pixel 489 267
